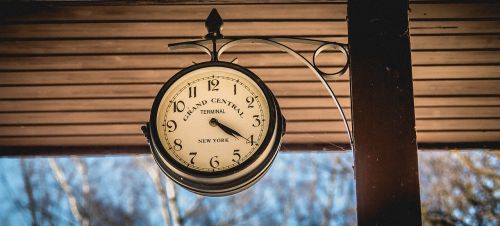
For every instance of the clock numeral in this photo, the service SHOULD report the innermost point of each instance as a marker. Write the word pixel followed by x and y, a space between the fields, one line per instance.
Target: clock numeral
pixel 250 141
pixel 234 89
pixel 193 154
pixel 177 144
pixel 192 92
pixel 257 121
pixel 213 162
pixel 236 154
pixel 212 85
pixel 250 101
pixel 172 125
pixel 179 106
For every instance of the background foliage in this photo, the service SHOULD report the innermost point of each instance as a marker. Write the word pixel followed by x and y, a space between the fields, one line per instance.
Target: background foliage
pixel 313 188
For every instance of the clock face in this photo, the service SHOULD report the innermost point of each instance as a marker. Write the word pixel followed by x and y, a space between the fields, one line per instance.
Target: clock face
pixel 213 119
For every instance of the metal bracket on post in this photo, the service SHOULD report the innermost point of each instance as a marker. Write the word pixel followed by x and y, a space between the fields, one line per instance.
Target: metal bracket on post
pixel 214 36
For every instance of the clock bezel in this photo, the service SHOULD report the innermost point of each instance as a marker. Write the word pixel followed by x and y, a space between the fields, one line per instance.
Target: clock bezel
pixel 272 107
pixel 229 187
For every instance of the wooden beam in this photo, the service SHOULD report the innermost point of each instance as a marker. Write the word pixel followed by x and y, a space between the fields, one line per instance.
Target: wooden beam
pixel 247 59
pixel 304 114
pixel 280 89
pixel 89 11
pixel 144 104
pixel 430 139
pixel 170 29
pixel 386 163
pixel 97 66
pixel 124 128
pixel 301 126
pixel 140 148
pixel 159 76
pixel 152 45
pixel 334 10
pixel 194 29
pixel 73 150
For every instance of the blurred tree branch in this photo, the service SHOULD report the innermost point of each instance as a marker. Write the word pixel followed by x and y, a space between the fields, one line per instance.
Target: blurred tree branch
pixel 155 175
pixel 82 169
pixel 27 172
pixel 73 202
pixel 460 188
pixel 172 202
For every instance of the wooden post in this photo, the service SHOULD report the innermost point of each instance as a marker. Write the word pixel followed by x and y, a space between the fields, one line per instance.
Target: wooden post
pixel 386 162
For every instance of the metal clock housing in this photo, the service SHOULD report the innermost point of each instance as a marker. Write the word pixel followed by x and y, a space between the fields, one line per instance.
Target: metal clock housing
pixel 228 180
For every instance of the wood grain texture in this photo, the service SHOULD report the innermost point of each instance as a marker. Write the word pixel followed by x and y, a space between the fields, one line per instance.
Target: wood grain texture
pixel 280 89
pixel 144 104
pixel 384 132
pixel 285 11
pixel 97 66
pixel 329 140
pixel 194 29
pixel 159 76
pixel 151 45
pixel 156 61
pixel 292 127
pixel 314 114
pixel 178 12
pixel 170 29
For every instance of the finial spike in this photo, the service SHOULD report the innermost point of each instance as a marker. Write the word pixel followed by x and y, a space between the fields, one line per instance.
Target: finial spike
pixel 214 23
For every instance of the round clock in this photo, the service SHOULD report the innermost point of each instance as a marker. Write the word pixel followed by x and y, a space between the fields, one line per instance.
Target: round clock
pixel 215 128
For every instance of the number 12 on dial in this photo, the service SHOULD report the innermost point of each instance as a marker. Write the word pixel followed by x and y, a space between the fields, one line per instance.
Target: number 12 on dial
pixel 215 128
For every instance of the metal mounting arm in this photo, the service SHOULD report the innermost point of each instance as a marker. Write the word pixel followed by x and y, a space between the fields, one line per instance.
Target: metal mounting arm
pixel 214 37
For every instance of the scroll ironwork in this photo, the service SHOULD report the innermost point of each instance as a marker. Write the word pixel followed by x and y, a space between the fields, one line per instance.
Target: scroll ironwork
pixel 215 44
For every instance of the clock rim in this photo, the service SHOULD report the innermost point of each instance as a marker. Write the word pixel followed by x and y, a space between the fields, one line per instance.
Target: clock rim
pixel 228 187
pixel 273 121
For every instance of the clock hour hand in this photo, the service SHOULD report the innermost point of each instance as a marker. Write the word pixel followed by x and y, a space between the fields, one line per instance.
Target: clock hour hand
pixel 232 132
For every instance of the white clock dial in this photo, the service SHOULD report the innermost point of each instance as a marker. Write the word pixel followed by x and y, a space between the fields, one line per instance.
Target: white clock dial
pixel 213 119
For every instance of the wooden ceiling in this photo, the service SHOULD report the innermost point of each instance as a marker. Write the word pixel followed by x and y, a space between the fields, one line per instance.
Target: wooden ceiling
pixel 79 75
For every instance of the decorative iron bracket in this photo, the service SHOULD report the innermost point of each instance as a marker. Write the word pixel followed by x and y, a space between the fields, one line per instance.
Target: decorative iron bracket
pixel 214 38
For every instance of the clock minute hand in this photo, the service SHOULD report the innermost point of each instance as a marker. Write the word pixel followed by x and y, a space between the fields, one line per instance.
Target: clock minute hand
pixel 224 128
pixel 233 132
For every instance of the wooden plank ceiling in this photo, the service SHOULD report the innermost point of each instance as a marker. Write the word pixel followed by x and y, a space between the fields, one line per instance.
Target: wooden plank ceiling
pixel 74 75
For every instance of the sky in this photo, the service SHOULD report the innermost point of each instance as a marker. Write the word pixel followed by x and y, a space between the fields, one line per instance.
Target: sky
pixel 297 190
